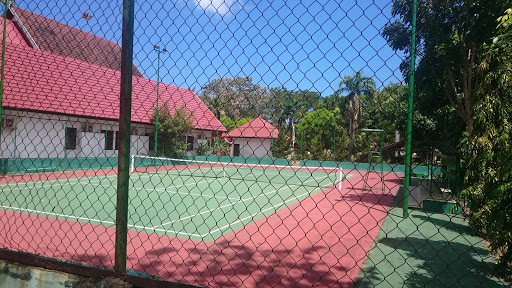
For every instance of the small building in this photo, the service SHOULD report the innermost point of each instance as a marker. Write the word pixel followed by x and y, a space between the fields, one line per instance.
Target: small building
pixel 61 95
pixel 253 139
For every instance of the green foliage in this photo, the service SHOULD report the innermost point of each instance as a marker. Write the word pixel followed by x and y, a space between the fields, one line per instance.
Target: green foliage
pixel 204 149
pixel 318 135
pixel 220 147
pixel 230 124
pixel 236 98
pixel 282 146
pixel 358 88
pixel 291 106
pixel 488 154
pixel 172 130
pixel 450 36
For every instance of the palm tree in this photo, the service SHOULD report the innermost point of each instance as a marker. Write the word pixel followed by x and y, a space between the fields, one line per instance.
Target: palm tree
pixel 356 86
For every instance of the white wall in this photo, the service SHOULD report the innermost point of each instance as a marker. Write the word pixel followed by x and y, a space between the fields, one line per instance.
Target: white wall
pixel 253 147
pixel 33 137
pixel 139 145
pixel 38 135
pixel 198 134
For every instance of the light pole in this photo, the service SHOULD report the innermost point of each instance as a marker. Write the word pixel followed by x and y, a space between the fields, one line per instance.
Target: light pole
pixel 157 49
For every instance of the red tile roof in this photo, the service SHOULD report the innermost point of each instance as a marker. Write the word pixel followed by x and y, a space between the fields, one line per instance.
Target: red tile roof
pixel 257 128
pixel 40 81
pixel 60 39
pixel 12 33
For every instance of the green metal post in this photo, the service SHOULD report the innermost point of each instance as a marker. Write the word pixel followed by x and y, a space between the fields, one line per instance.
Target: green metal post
pixel 157 49
pixel 334 146
pixel 6 7
pixel 105 142
pixel 408 136
pixel 157 96
pixel 66 139
pixel 15 133
pixel 382 155
pixel 123 176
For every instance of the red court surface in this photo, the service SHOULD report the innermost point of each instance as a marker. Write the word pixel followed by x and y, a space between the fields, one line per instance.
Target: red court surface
pixel 321 241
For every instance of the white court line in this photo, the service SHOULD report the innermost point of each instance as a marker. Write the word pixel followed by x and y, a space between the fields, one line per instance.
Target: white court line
pixel 92 220
pixel 187 193
pixel 230 204
pixel 78 180
pixel 57 214
pixel 51 183
pixel 188 184
pixel 165 230
pixel 260 212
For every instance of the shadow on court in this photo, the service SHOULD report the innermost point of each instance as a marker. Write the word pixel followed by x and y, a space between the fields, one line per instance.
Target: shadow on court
pixel 427 250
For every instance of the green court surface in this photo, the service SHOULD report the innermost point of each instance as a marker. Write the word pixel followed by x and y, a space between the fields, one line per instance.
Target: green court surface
pixel 427 250
pixel 198 204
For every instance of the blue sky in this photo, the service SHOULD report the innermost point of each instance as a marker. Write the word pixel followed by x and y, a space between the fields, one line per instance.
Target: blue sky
pixel 308 45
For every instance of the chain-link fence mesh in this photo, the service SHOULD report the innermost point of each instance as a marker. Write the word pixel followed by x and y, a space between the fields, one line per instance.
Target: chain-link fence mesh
pixel 266 141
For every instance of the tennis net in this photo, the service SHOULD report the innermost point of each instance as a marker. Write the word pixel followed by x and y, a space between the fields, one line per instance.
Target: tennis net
pixel 276 174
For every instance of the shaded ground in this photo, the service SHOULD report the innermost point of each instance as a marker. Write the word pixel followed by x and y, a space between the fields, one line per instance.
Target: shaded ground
pixel 427 250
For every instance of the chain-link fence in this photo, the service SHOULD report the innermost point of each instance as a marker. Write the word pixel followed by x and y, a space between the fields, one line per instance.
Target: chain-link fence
pixel 247 143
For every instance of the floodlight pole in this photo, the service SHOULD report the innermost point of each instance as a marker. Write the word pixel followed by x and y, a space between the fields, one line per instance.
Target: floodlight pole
pixel 157 49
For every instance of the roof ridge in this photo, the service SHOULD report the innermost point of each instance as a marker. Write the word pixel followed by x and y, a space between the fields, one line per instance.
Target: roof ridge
pixel 61 24
pixel 58 38
pixel 18 22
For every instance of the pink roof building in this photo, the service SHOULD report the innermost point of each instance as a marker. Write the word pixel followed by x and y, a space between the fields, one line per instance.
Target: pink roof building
pixel 70 80
pixel 73 86
pixel 257 128
pixel 253 139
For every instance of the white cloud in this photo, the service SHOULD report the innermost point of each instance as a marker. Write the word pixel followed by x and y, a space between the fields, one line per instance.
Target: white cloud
pixel 221 7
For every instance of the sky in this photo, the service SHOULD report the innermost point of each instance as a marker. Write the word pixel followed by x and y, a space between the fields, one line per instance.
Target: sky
pixel 300 45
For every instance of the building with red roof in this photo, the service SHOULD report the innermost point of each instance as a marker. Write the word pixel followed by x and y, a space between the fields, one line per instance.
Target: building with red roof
pixel 253 139
pixel 63 101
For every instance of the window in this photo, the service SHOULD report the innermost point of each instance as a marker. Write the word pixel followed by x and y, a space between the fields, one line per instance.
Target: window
pixel 117 140
pixel 109 139
pixel 151 141
pixel 236 150
pixel 190 143
pixel 70 138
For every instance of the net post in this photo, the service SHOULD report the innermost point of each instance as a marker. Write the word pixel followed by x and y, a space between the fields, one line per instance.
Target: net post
pixel 341 179
pixel 132 164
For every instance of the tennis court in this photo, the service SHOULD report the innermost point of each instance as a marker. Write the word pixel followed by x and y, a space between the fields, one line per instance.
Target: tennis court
pixel 194 200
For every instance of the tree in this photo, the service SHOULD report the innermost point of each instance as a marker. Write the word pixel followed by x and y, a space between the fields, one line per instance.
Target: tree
pixel 236 98
pixel 290 106
pixel 357 86
pixel 450 36
pixel 173 128
pixel 282 146
pixel 488 178
pixel 287 107
pixel 319 137
pixel 229 124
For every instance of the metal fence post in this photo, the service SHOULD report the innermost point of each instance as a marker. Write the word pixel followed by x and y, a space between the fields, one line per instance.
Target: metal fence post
pixel 408 136
pixel 123 179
